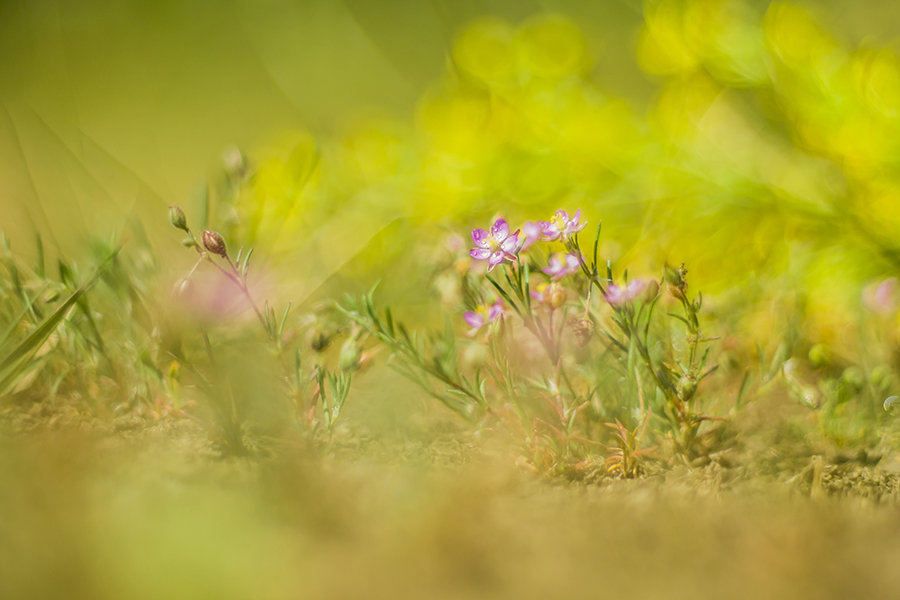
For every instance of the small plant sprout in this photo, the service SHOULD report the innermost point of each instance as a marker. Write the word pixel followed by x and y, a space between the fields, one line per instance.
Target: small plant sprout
pixel 332 389
pixel 626 456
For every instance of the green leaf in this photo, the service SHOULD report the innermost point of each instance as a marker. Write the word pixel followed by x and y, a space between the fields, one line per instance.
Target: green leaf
pixel 12 365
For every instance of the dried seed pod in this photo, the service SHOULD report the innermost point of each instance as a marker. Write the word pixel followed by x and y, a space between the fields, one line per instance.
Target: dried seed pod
pixel 583 330
pixel 214 243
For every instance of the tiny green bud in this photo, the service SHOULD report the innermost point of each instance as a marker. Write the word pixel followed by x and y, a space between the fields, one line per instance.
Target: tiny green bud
pixel 820 355
pixel 672 275
pixel 853 377
pixel 686 387
pixel 214 243
pixel 177 218
pixel 650 291
pixel 675 279
pixel 188 242
pixel 350 354
pixel 880 376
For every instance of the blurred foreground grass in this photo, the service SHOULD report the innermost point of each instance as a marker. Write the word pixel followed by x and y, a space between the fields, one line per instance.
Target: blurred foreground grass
pixel 144 512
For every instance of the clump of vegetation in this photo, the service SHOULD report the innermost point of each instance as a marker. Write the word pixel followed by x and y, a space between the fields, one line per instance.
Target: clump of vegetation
pixel 565 348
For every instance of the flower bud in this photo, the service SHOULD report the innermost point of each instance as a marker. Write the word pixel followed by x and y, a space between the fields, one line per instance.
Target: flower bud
pixel 675 279
pixel 350 356
pixel 557 295
pixel 686 387
pixel 853 378
pixel 214 243
pixel 880 376
pixel 177 218
pixel 820 355
pixel 651 290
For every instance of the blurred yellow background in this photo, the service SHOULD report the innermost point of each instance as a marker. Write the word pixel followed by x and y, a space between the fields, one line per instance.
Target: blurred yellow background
pixel 756 142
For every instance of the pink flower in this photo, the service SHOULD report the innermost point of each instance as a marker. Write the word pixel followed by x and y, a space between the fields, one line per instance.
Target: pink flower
pixel 882 297
pixel 617 296
pixel 496 246
pixel 533 231
pixel 561 225
pixel 483 315
pixel 562 265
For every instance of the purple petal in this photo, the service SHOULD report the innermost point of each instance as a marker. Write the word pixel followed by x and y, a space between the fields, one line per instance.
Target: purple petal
pixel 532 229
pixel 495 311
pixel 473 319
pixel 511 243
pixel 496 258
pixel 500 230
pixel 480 253
pixel 562 216
pixel 634 288
pixel 480 236
pixel 614 295
pixel 549 232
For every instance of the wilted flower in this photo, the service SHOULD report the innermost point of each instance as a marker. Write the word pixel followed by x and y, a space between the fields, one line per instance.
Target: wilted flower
pixel 483 315
pixel 496 246
pixel 560 225
pixel 562 265
pixel 551 294
pixel 617 296
pixel 583 330
pixel 532 230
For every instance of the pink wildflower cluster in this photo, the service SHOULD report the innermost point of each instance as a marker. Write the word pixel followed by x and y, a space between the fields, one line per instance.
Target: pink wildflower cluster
pixel 499 244
pixel 558 227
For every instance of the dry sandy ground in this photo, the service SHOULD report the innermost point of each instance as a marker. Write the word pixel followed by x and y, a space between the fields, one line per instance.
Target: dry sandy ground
pixel 153 513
